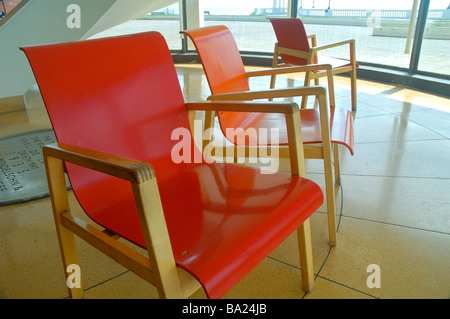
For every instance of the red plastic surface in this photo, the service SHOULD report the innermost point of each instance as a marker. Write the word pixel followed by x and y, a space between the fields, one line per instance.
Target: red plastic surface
pixel 341 127
pixel 225 67
pixel 291 33
pixel 122 96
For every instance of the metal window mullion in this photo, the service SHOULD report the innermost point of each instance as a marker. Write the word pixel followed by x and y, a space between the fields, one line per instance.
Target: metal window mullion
pixel 184 41
pixel 294 8
pixel 418 36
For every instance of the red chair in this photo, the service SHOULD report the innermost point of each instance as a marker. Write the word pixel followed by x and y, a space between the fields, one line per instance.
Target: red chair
pixel 293 47
pixel 228 80
pixel 118 113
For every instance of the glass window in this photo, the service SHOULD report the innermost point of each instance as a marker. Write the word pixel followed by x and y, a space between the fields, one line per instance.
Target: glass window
pixel 165 20
pixel 378 27
pixel 436 40
pixel 246 21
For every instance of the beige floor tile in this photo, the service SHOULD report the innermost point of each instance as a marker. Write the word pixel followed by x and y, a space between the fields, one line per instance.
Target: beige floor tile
pixel 32 265
pixel 412 262
pixel 412 202
pixel 387 103
pixel 125 285
pixel 269 280
pixel 392 128
pixel 429 101
pixel 435 120
pixel 287 252
pixel 363 109
pixel 427 159
pixel 326 289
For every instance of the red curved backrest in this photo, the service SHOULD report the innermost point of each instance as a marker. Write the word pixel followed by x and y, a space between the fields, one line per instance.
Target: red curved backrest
pixel 291 33
pixel 130 109
pixel 220 58
pixel 223 67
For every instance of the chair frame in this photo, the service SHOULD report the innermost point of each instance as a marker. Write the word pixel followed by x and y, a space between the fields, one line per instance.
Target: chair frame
pixel 311 58
pixel 159 267
pixel 326 150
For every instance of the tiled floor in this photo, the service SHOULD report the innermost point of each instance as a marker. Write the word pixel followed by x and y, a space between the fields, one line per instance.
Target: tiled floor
pixel 395 212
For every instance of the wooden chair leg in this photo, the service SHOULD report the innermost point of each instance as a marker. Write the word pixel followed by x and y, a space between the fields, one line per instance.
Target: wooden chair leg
pixel 306 83
pixel 151 217
pixel 337 176
pixel 209 126
pixel 316 82
pixel 337 169
pixel 330 198
pixel 274 65
pixel 60 204
pixel 353 90
pixel 306 258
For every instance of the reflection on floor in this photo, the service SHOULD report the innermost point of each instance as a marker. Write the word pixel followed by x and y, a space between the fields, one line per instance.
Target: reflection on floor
pixel 395 212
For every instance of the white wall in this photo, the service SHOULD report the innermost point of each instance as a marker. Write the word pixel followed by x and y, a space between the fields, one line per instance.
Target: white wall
pixel 45 21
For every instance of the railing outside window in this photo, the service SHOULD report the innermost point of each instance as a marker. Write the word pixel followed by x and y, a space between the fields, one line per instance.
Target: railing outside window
pixel 380 29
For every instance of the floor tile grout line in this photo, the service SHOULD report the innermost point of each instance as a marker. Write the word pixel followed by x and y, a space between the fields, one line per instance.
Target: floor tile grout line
pixel 341 214
pixel 397 225
pixel 401 116
pixel 348 287
pixel 388 176
pixel 102 282
pixel 441 138
pixel 317 275
pixel 383 223
pixel 428 128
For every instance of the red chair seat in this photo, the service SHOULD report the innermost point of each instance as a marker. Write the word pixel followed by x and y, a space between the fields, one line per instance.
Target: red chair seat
pixel 341 126
pixel 220 218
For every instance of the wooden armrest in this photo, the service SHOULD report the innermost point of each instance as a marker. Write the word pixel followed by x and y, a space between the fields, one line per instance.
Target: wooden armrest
pixel 228 106
pixel 290 69
pixel 291 110
pixel 269 94
pixel 332 45
pixel 274 93
pixel 125 168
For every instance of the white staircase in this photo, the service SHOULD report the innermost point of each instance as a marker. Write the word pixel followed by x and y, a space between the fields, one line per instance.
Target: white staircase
pixel 52 21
